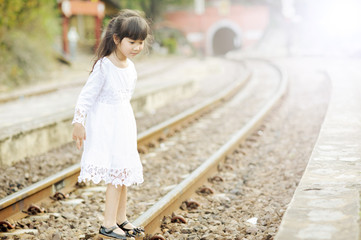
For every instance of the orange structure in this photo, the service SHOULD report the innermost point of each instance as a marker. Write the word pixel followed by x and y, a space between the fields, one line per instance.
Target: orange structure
pixel 76 7
pixel 221 27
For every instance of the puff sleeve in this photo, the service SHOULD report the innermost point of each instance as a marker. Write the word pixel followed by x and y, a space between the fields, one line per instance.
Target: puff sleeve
pixel 89 93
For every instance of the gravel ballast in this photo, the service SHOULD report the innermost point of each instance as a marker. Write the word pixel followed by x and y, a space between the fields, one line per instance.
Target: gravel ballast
pixel 261 176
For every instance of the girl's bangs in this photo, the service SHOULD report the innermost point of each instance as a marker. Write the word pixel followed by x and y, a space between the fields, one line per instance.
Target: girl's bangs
pixel 136 29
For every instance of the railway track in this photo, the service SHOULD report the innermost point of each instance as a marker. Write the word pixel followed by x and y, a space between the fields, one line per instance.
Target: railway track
pixel 14 205
pixel 173 200
pixel 61 183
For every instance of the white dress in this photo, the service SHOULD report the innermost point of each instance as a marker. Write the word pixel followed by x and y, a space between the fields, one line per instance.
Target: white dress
pixel 103 107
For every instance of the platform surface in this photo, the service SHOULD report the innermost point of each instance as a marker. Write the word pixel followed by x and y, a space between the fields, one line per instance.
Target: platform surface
pixel 326 203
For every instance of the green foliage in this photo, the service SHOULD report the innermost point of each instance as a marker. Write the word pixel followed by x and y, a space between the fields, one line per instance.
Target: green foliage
pixel 170 44
pixel 154 10
pixel 173 40
pixel 27 31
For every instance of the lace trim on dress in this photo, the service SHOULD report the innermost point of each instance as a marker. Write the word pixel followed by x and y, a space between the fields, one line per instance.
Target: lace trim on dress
pixel 79 116
pixel 116 177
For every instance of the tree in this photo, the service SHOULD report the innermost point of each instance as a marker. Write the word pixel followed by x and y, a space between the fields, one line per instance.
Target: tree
pixel 27 29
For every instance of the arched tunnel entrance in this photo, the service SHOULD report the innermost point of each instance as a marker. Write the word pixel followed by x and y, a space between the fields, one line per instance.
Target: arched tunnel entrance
pixel 225 40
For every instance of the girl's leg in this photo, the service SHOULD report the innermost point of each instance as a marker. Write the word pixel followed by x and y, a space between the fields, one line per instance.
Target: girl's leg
pixel 121 211
pixel 122 205
pixel 112 197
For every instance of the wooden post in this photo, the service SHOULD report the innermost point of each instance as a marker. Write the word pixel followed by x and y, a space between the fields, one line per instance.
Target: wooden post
pixel 98 27
pixel 65 35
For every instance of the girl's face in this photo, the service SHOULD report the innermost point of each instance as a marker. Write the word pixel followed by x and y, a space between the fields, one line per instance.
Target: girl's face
pixel 129 47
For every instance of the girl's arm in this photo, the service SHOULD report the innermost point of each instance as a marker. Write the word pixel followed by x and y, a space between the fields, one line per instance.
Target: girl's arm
pixel 86 99
pixel 79 134
pixel 89 94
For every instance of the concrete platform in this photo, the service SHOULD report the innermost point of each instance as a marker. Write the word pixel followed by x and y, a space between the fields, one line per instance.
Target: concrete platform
pixel 326 204
pixel 77 75
pixel 36 124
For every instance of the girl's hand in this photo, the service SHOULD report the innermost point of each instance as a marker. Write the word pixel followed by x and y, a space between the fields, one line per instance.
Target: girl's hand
pixel 79 134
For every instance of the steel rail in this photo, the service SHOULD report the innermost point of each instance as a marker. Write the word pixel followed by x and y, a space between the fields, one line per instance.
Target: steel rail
pixel 151 219
pixel 14 205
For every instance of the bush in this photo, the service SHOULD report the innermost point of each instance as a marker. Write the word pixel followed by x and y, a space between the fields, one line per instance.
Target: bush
pixel 170 44
pixel 27 31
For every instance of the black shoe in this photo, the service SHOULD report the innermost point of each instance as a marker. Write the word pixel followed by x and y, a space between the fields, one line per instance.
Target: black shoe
pixel 109 233
pixel 135 232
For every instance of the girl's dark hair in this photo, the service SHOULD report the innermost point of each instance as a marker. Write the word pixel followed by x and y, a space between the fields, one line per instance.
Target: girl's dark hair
pixel 127 24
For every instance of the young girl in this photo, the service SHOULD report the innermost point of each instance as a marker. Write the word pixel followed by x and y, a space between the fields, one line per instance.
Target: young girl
pixel 104 121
